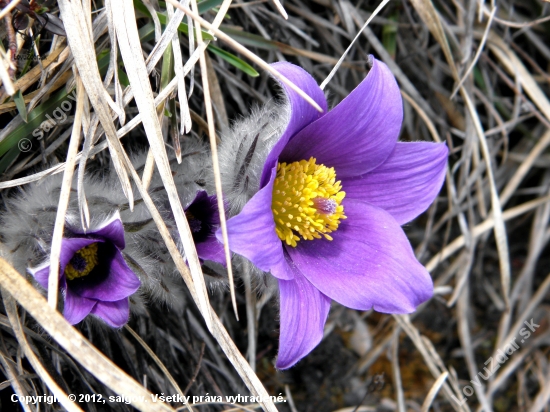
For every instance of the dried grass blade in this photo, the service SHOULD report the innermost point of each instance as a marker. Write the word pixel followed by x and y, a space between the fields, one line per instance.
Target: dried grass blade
pixel 13 377
pixel 5 77
pixel 185 115
pixel 89 133
pixel 280 8
pixel 499 228
pixel 429 15
pixel 483 227
pixel 166 38
pixel 250 297
pixel 423 116
pixel 11 310
pixel 478 53
pixel 524 167
pixel 243 50
pixel 341 59
pixel 215 161
pixel 155 17
pixel 217 328
pixel 73 342
pixel 148 170
pixel 98 148
pixel 64 195
pixel 46 89
pixel 433 392
pixel 464 332
pixel 434 364
pixel 217 95
pixel 396 370
pixel 132 55
pixel 538 297
pixel 191 39
pixel 9 8
pixel 157 361
pixel 515 67
pixel 543 397
pixel 112 71
pixel 85 59
pixel 114 107
pixel 23 83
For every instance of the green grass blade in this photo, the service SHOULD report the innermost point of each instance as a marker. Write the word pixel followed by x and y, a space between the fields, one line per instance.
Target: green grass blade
pixel 206 5
pixel 234 60
pixel 6 160
pixel 20 104
pixel 164 20
pixel 31 130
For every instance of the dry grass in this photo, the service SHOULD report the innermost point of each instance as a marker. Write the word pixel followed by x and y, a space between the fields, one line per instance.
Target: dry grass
pixel 472 74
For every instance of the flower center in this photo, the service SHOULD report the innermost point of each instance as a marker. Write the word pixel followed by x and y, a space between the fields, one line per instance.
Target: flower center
pixel 306 201
pixel 82 262
pixel 194 224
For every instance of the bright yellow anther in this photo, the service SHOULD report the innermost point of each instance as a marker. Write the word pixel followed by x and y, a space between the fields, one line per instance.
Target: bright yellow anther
pixel 307 201
pixel 82 262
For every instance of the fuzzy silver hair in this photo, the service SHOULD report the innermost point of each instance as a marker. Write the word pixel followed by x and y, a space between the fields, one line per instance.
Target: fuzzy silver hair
pixel 26 226
pixel 244 149
pixel 242 155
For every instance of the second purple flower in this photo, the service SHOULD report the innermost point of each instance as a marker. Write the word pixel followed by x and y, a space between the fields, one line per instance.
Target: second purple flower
pixel 93 275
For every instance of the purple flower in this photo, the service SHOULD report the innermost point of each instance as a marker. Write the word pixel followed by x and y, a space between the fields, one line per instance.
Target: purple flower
pixel 203 217
pixel 94 277
pixel 334 191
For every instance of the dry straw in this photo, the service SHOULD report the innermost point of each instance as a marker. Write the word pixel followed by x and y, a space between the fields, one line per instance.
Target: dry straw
pixel 471 75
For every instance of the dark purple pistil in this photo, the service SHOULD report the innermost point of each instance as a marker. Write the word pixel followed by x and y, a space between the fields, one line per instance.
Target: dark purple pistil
pixel 78 263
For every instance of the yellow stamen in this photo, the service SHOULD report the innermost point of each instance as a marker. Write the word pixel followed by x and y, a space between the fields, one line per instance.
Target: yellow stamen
pixel 306 201
pixel 85 261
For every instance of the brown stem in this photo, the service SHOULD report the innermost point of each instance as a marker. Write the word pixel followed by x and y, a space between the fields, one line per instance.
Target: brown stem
pixel 12 43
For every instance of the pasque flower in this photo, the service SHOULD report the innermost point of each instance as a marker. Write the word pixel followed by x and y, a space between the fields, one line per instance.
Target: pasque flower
pixel 203 217
pixel 326 219
pixel 94 276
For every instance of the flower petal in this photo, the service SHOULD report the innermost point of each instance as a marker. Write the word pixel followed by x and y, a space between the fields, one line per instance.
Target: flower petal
pixel 204 211
pixel 204 208
pixel 252 234
pixel 112 230
pixel 304 312
pixel 359 133
pixel 211 249
pixel 406 184
pixel 69 246
pixel 76 307
pixel 115 314
pixel 301 112
pixel 369 264
pixel 41 274
pixel 108 283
